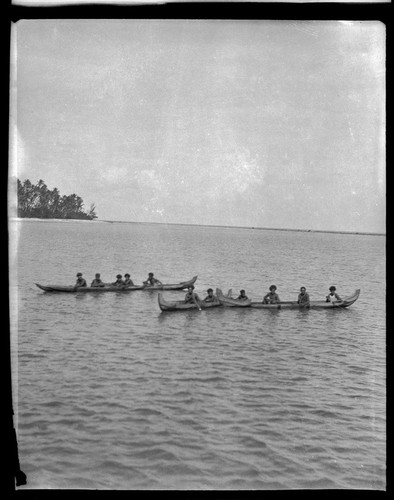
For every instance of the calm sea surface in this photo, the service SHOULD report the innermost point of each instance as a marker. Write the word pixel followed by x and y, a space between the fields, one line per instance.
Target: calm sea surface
pixel 111 393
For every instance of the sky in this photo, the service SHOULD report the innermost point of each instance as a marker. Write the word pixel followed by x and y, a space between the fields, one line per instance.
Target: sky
pixel 243 123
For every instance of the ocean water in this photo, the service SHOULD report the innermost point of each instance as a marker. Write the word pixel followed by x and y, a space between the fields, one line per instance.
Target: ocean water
pixel 112 393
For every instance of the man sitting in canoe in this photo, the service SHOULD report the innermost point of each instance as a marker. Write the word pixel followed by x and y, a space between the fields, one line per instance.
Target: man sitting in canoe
pixel 303 297
pixel 80 281
pixel 97 281
pixel 272 297
pixel 210 297
pixel 191 297
pixel 242 295
pixel 152 281
pixel 128 281
pixel 332 296
pixel 119 281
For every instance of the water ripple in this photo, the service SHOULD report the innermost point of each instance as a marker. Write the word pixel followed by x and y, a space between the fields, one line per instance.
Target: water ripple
pixel 114 394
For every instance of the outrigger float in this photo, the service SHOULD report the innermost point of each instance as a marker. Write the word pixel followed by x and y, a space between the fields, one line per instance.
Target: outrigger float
pixel 317 304
pixel 109 288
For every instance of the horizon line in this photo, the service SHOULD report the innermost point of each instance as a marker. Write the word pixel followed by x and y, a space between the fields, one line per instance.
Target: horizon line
pixel 258 228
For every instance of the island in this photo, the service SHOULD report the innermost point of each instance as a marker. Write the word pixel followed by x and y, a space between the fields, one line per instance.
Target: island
pixel 37 201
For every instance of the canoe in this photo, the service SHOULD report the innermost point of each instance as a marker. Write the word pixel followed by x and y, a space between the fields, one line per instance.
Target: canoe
pixel 314 304
pixel 318 304
pixel 180 305
pixel 110 288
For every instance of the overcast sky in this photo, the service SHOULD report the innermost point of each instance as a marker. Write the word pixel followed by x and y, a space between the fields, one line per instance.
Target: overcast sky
pixel 254 123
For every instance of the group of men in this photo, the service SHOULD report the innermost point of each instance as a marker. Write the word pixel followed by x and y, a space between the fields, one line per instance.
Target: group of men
pixel 270 298
pixel 303 297
pixel 120 282
pixel 191 297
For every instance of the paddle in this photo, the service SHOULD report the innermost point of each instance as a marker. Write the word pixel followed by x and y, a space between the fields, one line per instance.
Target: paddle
pixel 195 300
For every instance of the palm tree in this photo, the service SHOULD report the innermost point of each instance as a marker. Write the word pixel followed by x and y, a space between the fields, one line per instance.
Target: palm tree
pixel 39 201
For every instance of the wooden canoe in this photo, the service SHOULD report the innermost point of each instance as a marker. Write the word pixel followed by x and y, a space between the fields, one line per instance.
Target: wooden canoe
pixel 110 288
pixel 319 304
pixel 180 305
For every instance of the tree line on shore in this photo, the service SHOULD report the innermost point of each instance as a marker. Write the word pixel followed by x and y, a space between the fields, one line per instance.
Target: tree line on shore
pixel 36 200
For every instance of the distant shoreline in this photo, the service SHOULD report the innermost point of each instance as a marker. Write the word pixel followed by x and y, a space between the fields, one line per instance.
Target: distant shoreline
pixel 19 219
